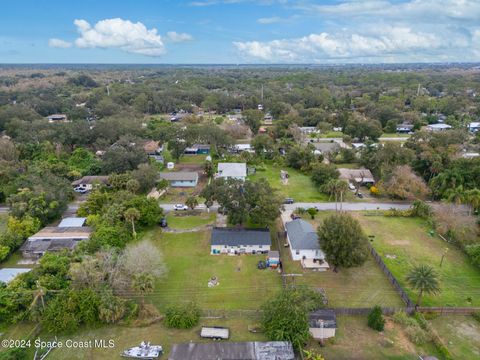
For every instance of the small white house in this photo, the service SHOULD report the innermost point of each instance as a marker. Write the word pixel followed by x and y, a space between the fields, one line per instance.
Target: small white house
pixel 240 241
pixel 232 171
pixel 438 127
pixel 304 244
pixel 89 182
pixel 322 324
pixel 474 127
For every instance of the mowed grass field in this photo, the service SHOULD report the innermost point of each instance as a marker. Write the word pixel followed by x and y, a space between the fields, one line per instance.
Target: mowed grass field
pixel 300 187
pixel 190 266
pixel 175 220
pixel 405 242
pixel 362 286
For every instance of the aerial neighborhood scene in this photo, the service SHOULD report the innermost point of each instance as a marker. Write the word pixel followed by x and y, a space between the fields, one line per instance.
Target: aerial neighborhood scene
pixel 240 180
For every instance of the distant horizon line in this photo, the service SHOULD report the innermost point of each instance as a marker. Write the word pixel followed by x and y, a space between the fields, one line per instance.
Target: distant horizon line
pixel 244 64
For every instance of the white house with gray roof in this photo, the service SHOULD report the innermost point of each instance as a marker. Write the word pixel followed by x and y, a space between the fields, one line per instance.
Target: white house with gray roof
pixel 240 241
pixel 303 241
pixel 232 171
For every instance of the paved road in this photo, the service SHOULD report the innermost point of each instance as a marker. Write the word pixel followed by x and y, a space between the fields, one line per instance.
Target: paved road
pixel 3 209
pixel 380 139
pixel 347 206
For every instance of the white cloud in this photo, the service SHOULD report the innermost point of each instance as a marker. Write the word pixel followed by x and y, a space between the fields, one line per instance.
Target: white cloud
pixel 121 34
pixel 173 36
pixel 377 31
pixel 270 20
pixel 58 43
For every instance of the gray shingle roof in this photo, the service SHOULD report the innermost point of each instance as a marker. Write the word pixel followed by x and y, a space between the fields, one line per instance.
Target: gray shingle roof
pixel 272 350
pixel 302 235
pixel 179 176
pixel 326 316
pixel 234 236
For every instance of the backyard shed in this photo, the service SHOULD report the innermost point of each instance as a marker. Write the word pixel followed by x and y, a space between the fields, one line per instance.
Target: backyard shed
pixel 322 324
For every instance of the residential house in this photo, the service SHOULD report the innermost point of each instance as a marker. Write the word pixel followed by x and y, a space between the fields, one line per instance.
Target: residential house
pixel 438 127
pixel 57 118
pixel 238 148
pixel 474 127
pixel 404 128
pixel 307 130
pixel 181 178
pixel 325 147
pixel 52 239
pixel 359 176
pixel 152 147
pixel 272 350
pixel 89 182
pixel 322 324
pixel 197 149
pixel 232 171
pixel 239 241
pixel 304 244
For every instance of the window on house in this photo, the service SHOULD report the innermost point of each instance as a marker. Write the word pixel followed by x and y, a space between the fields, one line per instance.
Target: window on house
pixel 297 252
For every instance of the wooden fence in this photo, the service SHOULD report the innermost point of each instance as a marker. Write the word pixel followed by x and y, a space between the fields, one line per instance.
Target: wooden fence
pixel 403 295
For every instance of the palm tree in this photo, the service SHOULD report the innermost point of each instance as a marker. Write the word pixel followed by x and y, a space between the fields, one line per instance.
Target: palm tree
pixel 456 195
pixel 424 279
pixel 131 215
pixel 191 202
pixel 337 188
pixel 143 283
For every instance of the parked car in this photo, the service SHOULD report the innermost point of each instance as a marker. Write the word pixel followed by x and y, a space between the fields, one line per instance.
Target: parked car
pixel 180 207
pixel 360 195
pixel 80 190
pixel 163 222
pixel 288 201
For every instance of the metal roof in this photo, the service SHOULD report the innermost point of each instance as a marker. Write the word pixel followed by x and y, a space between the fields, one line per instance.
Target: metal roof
pixel 302 235
pixel 62 233
pixel 8 274
pixel 72 222
pixel 179 176
pixel 232 169
pixel 272 350
pixel 235 236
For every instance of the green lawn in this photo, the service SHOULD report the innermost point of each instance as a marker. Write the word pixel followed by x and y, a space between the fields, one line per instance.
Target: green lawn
pixel 460 334
pixel 177 220
pixel 192 159
pixel 300 186
pixel 190 266
pixel 362 286
pixel 355 340
pixel 408 240
pixel 332 134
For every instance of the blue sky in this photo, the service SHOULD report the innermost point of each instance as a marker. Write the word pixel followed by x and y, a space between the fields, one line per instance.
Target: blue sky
pixel 239 31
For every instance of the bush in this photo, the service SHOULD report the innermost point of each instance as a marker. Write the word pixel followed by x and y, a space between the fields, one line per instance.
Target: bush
pixel 182 317
pixel 416 334
pixel 375 319
pixel 402 318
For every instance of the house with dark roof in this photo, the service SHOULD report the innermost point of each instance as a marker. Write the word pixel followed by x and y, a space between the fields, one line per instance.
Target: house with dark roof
pixel 271 350
pixel 54 239
pixel 240 241
pixel 304 244
pixel 89 182
pixel 322 324
pixel 180 178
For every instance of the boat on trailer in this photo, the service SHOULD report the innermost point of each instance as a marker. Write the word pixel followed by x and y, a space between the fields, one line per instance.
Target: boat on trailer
pixel 144 351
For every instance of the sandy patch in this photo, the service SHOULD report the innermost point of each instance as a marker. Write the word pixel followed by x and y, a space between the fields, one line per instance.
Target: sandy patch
pixel 400 242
